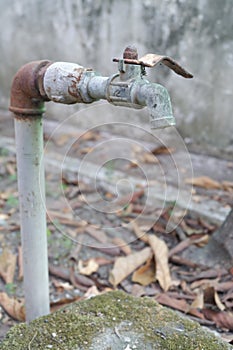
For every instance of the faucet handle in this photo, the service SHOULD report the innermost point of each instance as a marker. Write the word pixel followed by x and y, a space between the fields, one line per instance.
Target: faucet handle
pixel 151 60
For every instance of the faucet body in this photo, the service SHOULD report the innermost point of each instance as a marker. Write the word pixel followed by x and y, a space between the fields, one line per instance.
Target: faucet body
pixel 70 83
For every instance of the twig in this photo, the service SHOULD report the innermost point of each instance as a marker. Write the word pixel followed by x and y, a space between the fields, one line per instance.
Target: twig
pixel 175 259
pixel 29 345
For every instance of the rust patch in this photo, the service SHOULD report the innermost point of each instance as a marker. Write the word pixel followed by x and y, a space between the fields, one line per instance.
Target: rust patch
pixel 27 96
pixel 73 89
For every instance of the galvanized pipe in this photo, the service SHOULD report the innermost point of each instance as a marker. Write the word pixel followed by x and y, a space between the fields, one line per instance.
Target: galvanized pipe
pixel 31 186
pixel 27 104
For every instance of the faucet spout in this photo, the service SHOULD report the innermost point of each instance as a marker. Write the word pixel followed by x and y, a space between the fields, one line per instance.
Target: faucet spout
pixel 135 93
pixel 157 100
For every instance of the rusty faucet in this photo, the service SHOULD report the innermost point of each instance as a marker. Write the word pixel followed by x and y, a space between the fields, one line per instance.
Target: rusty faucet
pixel 68 83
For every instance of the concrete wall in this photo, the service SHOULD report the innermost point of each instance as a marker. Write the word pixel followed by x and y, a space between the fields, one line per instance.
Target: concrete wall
pixel 198 34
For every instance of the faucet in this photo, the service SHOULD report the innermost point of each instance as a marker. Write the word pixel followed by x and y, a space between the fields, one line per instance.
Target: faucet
pixel 63 82
pixel 71 83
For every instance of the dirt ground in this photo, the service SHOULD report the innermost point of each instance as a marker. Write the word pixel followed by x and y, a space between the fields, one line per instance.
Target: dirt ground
pixel 95 228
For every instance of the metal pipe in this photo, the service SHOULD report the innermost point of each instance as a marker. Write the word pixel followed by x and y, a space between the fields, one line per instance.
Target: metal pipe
pixel 27 104
pixel 29 145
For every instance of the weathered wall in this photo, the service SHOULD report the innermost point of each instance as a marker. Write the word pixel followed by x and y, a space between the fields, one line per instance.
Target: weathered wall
pixel 198 34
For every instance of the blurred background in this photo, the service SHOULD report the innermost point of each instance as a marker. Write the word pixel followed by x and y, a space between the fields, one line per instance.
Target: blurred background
pixel 198 34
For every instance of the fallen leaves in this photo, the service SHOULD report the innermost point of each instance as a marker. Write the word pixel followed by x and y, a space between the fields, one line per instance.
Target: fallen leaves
pixel 145 274
pixel 222 319
pixel 87 267
pixel 14 307
pixel 204 181
pixel 7 265
pixel 210 296
pixel 210 184
pixel 177 304
pixel 162 150
pixel 152 265
pixel 148 273
pixel 124 266
pixel 160 251
pixel 70 275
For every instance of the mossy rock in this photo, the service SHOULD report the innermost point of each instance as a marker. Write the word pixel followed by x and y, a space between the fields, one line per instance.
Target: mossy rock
pixel 113 321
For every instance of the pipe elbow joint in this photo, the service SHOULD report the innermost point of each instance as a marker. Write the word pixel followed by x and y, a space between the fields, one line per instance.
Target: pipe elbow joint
pixel 27 92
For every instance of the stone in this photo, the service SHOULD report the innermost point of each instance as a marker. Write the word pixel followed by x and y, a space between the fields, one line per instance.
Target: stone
pixel 116 321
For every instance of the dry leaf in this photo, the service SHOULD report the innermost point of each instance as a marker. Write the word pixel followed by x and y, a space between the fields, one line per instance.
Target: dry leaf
pixel 10 169
pixel 86 150
pixel 149 158
pixel 70 275
pixel 205 182
pixel 162 150
pixel 13 307
pixel 209 295
pixel 56 305
pixel 227 186
pixel 7 265
pixel 189 231
pixel 177 304
pixel 202 241
pixel 145 274
pixel 124 266
pixel 198 302
pixel 124 247
pixel 138 232
pixel 160 250
pixel 212 297
pixel 218 302
pixel 87 267
pixel 222 319
pixel 61 286
pixel 3 217
pixel 132 164
pixel 90 135
pixel 91 292
pixel 137 149
pixel 204 283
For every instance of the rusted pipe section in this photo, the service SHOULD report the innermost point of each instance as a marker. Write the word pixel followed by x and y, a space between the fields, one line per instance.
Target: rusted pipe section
pixel 27 92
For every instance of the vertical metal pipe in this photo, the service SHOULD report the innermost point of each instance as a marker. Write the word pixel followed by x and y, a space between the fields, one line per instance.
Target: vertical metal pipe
pixel 31 185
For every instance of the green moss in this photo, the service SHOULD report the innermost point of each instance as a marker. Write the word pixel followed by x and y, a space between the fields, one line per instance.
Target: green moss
pixel 111 321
